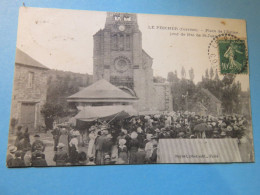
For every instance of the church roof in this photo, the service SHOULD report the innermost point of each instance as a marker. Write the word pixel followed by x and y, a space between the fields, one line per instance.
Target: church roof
pixel 101 90
pixel 146 54
pixel 26 60
pixel 211 95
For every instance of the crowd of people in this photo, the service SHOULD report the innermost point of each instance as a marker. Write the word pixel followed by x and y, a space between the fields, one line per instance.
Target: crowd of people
pixel 132 140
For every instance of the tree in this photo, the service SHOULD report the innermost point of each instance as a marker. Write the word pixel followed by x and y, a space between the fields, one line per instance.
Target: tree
pixel 159 79
pixel 191 74
pixel 211 73
pixel 207 74
pixel 170 77
pixel 183 73
pixel 216 75
pixel 50 112
pixel 176 73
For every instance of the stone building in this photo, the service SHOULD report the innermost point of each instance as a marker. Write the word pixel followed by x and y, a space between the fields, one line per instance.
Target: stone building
pixel 29 91
pixel 120 59
pixel 209 104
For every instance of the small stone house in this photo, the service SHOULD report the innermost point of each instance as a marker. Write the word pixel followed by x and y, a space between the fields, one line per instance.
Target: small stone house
pixel 29 91
pixel 214 105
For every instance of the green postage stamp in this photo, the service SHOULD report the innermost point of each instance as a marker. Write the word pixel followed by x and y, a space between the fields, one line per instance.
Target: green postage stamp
pixel 232 56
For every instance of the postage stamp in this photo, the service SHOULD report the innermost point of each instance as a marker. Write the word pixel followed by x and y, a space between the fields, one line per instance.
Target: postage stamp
pixel 232 56
pixel 228 54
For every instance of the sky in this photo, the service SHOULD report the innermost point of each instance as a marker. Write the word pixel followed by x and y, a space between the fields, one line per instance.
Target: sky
pixel 63 40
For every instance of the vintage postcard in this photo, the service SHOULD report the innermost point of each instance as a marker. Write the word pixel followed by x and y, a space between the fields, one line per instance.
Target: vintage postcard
pixel 107 88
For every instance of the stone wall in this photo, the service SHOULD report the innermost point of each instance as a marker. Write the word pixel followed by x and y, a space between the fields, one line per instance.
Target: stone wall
pixel 163 97
pixel 23 93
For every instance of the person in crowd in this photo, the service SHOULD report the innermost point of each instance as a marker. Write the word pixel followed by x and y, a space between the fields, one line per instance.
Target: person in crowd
pixel 107 146
pixel 91 161
pixel 140 155
pixel 39 160
pixel 10 155
pixel 26 136
pixel 28 158
pixel 91 144
pixel 61 156
pixel 17 161
pixel 82 158
pixel 120 136
pixel 74 150
pixel 99 145
pixel 122 150
pixel 38 145
pixel 148 148
pixel 64 139
pixel 107 159
pixel 56 136
pixel 153 158
pixel 19 136
pixel 140 136
pixel 133 148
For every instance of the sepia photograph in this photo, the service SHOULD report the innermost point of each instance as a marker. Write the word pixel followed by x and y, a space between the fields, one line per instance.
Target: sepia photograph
pixel 109 88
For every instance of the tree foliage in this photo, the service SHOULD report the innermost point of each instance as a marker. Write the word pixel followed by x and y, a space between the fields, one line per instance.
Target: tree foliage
pixel 61 84
pixel 186 94
pixel 191 74
pixel 183 73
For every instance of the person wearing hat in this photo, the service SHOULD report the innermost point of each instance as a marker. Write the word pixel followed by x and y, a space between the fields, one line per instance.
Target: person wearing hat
pixel 56 135
pixel 148 147
pixel 107 146
pixel 107 159
pixel 140 135
pixel 82 158
pixel 64 138
pixel 39 160
pixel 73 145
pixel 122 150
pixel 140 155
pixel 153 158
pixel 10 155
pixel 91 161
pixel 17 161
pixel 26 142
pixel 38 145
pixel 223 134
pixel 19 136
pixel 133 147
pixel 99 145
pixel 61 156
pixel 91 143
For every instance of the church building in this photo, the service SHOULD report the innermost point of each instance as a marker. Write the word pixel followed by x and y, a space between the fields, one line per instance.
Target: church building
pixel 120 59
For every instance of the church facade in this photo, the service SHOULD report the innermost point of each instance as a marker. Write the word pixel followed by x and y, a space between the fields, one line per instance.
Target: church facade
pixel 119 58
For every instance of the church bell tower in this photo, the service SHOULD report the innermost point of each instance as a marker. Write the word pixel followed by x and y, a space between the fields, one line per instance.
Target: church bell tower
pixel 120 59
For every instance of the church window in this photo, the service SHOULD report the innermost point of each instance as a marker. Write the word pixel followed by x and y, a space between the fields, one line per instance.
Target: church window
pixel 30 79
pixel 114 42
pixel 127 42
pixel 121 42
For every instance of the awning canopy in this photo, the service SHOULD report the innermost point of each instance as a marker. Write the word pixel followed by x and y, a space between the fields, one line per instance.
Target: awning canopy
pixel 104 113
pixel 198 151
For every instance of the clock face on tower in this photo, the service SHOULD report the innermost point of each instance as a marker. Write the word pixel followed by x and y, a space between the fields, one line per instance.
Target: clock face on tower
pixel 121 27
